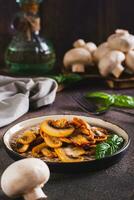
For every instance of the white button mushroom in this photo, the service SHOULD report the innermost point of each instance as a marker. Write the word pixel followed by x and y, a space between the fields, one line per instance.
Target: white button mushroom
pixel 111 63
pixel 79 43
pixel 25 178
pixel 121 40
pixel 90 46
pixel 130 60
pixel 101 51
pixel 77 59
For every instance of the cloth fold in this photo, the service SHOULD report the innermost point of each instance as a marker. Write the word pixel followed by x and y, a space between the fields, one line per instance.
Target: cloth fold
pixel 17 95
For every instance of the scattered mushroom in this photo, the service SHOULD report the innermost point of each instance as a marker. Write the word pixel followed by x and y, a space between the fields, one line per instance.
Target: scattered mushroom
pixel 90 46
pixel 76 59
pixel 25 178
pixel 130 60
pixel 101 51
pixel 121 40
pixel 112 63
pixel 79 43
pixel 109 55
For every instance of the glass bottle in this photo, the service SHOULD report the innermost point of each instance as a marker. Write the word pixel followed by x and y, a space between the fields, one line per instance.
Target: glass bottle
pixel 28 53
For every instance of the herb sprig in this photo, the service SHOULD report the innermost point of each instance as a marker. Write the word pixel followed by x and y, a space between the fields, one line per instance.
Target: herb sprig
pixel 109 147
pixel 105 100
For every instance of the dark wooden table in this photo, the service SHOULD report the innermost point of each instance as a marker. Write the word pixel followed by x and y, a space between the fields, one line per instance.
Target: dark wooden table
pixel 114 183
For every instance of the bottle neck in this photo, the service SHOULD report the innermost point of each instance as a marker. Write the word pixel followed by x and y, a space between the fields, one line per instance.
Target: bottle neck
pixel 32 8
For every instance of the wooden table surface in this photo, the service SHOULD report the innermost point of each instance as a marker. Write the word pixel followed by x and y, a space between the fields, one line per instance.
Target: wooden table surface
pixel 114 183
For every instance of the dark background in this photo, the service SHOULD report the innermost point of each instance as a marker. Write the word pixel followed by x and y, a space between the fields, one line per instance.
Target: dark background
pixel 64 21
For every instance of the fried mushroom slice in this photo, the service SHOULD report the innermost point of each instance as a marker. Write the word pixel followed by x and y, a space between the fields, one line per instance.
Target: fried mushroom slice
pixel 99 130
pixel 74 151
pixel 66 140
pixel 61 123
pixel 83 127
pixel 27 137
pixel 52 142
pixel 22 148
pixel 48 129
pixel 65 158
pixel 79 140
pixel 101 138
pixel 80 122
pixel 36 151
pixel 48 153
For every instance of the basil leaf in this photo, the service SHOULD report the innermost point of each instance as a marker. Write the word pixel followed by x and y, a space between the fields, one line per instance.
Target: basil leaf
pixel 101 150
pixel 67 79
pixel 101 97
pixel 107 100
pixel 123 101
pixel 109 147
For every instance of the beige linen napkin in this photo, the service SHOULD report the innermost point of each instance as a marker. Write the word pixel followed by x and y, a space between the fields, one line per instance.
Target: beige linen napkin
pixel 17 95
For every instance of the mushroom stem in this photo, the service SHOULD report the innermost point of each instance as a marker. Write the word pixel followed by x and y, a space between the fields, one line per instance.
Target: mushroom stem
pixel 35 194
pixel 78 68
pixel 118 70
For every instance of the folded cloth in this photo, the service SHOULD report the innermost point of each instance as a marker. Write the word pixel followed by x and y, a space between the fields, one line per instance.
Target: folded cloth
pixel 17 95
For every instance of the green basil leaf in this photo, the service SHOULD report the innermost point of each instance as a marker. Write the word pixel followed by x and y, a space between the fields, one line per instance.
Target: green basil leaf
pixel 109 147
pixel 101 97
pixel 124 101
pixel 107 100
pixel 101 150
pixel 67 79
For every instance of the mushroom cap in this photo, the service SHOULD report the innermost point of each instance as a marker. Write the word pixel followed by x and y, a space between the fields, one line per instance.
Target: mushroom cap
pixel 122 41
pixel 79 43
pixel 23 176
pixel 101 51
pixel 77 56
pixel 110 61
pixel 130 60
pixel 121 32
pixel 91 47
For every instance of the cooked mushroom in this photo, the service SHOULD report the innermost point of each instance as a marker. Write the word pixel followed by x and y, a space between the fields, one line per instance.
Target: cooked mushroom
pixel 52 142
pixel 112 63
pixel 25 178
pixel 121 40
pixel 77 59
pixel 61 153
pixel 130 60
pixel 21 148
pixel 27 137
pixel 55 132
pixel 36 151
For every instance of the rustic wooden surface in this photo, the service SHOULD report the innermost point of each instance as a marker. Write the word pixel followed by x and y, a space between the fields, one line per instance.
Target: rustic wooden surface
pixel 114 183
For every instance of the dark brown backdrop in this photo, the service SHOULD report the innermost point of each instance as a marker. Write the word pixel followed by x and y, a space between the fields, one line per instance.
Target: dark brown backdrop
pixel 67 20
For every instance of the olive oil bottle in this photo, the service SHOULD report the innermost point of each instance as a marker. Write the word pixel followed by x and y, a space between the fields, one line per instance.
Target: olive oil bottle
pixel 28 53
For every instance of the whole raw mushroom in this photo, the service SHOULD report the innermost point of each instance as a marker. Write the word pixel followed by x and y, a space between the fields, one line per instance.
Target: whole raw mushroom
pixel 112 63
pixel 130 60
pixel 101 51
pixel 25 178
pixel 121 40
pixel 90 46
pixel 76 59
